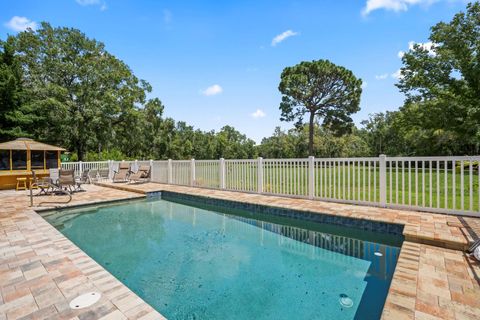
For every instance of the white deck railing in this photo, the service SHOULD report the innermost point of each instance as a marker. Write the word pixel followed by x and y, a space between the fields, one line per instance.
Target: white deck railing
pixel 435 184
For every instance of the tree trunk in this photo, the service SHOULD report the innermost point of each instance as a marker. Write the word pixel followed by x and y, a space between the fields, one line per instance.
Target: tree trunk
pixel 80 151
pixel 310 133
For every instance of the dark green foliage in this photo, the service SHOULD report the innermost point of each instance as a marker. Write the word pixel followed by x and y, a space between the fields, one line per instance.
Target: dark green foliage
pixel 294 144
pixel 442 87
pixel 15 115
pixel 81 90
pixel 60 87
pixel 320 89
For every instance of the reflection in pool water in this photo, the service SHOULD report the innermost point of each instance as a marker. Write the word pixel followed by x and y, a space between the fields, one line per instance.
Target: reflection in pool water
pixel 192 263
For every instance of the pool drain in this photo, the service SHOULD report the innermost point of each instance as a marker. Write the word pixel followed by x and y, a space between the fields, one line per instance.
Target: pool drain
pixel 345 301
pixel 85 300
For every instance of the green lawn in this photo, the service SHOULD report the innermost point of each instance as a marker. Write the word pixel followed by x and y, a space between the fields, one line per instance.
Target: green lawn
pixel 428 189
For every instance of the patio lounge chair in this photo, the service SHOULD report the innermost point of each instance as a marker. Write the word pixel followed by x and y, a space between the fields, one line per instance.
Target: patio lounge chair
pixel 142 174
pixel 103 174
pixel 121 175
pixel 66 180
pixel 93 176
pixel 84 178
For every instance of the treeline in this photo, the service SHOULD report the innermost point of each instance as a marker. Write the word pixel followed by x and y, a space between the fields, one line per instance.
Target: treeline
pixel 440 116
pixel 60 87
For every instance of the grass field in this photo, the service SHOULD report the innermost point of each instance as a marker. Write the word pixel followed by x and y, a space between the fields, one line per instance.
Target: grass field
pixel 424 188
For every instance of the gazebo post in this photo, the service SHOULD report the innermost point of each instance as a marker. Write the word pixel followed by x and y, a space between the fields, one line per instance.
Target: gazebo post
pixel 29 160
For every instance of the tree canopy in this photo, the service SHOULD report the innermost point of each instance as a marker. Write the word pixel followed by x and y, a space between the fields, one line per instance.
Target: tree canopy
pixel 61 87
pixel 79 90
pixel 14 115
pixel 320 89
pixel 442 84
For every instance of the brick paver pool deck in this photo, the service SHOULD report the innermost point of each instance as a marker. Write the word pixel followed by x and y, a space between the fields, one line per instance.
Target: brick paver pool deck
pixel 41 270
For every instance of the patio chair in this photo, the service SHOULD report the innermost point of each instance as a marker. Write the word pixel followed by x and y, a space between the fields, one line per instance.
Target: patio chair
pixel 93 176
pixel 142 174
pixel 103 174
pixel 44 184
pixel 121 175
pixel 54 175
pixel 83 179
pixel 66 180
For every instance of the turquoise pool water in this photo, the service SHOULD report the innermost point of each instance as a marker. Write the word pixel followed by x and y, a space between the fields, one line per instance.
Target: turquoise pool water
pixel 193 263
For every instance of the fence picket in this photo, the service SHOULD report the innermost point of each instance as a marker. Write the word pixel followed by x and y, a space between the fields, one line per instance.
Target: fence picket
pixel 335 179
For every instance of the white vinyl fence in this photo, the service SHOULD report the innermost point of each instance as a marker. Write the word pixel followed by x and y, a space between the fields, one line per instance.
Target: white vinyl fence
pixel 435 184
pixel 80 166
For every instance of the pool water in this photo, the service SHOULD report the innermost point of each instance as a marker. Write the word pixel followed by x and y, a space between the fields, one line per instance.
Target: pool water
pixel 192 263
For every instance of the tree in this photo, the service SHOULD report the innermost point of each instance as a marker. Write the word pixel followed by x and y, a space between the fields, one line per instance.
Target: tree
pixel 15 118
pixel 231 144
pixel 84 92
pixel 319 89
pixel 442 81
pixel 280 145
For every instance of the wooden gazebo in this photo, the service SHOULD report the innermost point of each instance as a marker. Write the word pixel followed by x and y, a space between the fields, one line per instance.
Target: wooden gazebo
pixel 19 157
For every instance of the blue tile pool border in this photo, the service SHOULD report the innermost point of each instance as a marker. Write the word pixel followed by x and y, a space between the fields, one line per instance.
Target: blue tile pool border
pixel 363 224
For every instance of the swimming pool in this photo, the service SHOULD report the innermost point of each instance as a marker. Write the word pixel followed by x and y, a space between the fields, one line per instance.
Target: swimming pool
pixel 201 261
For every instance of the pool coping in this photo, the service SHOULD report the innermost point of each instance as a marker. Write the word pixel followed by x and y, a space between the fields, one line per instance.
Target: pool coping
pixel 40 211
pixel 407 297
pixel 433 279
pixel 395 229
pixel 41 270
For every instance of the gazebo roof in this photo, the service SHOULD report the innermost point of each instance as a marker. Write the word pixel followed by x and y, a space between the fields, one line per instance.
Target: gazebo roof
pixel 28 144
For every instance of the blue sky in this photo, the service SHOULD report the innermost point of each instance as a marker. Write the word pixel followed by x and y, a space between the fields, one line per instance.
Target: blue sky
pixel 214 63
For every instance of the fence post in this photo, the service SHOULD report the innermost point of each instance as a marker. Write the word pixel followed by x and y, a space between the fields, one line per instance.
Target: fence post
pixel 383 180
pixel 192 172
pixel 260 175
pixel 110 169
pixel 80 168
pixel 169 173
pixel 311 177
pixel 136 165
pixel 222 173
pixel 151 170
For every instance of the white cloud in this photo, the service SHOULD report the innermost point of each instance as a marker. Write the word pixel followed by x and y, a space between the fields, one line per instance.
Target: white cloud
pixel 87 2
pixel 397 74
pixel 282 36
pixel 425 45
pixel 392 5
pixel 21 24
pixel 167 16
pixel 102 4
pixel 381 76
pixel 258 114
pixel 212 90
